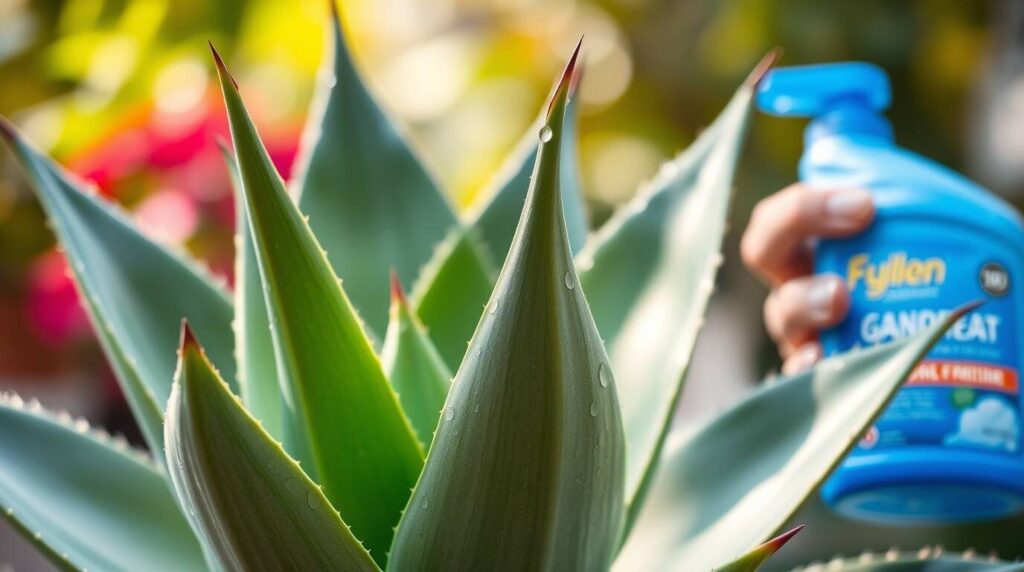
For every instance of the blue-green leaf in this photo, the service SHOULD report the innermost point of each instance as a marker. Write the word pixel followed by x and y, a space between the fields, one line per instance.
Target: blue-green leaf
pixel 496 219
pixel 451 291
pixel 453 287
pixel 648 275
pixel 343 420
pixel 250 503
pixel 526 468
pixel 752 560
pixel 254 351
pixel 370 201
pixel 136 291
pixel 728 486
pixel 87 501
pixel 414 367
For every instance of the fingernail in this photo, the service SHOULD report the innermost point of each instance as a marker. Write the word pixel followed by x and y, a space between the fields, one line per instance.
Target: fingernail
pixel 821 296
pixel 803 359
pixel 848 204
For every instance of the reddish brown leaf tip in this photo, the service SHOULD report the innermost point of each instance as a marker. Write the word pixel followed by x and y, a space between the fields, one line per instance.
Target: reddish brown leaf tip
pixel 779 541
pixel 563 84
pixel 188 339
pixel 332 5
pixel 397 293
pixel 767 62
pixel 968 308
pixel 221 68
pixel 577 79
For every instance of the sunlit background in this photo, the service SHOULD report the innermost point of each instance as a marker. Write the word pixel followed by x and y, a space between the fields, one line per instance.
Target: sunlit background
pixel 123 93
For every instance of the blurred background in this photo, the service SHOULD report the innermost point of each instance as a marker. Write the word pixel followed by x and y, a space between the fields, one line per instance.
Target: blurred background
pixel 123 93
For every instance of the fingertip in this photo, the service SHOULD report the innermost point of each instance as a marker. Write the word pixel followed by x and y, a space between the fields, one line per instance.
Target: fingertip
pixel 845 211
pixel 802 359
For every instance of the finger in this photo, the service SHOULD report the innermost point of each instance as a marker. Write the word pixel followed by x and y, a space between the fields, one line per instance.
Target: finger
pixel 774 244
pixel 802 359
pixel 797 310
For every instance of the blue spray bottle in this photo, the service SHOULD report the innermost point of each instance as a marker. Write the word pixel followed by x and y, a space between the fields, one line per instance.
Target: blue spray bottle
pixel 948 448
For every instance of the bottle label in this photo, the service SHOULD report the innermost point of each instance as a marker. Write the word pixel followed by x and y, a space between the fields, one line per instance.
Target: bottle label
pixel 966 392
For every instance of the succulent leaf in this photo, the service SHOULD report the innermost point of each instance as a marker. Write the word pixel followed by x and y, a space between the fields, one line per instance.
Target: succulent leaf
pixel 496 218
pixel 782 441
pixel 526 468
pixel 414 367
pixel 828 534
pixel 752 561
pixel 254 348
pixel 88 501
pixel 463 263
pixel 119 273
pixel 343 420
pixel 648 275
pixel 451 291
pixel 249 501
pixel 928 559
pixel 370 200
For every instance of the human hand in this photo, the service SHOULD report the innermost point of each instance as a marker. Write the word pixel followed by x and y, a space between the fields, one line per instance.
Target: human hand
pixel 777 247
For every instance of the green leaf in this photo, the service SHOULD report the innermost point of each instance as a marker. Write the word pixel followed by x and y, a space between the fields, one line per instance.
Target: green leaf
pixel 496 219
pixel 752 561
pixel 457 281
pixel 370 201
pixel 828 534
pixel 737 480
pixel 526 469
pixel 254 353
pixel 120 273
pixel 248 500
pixel 414 367
pixel 648 275
pixel 343 421
pixel 451 292
pixel 924 560
pixel 89 502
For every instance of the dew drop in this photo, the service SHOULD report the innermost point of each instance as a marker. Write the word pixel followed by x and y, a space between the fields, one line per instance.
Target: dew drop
pixel 424 503
pixel 603 375
pixel 449 414
pixel 493 306
pixel 593 409
pixel 570 280
pixel 545 134
pixel 311 500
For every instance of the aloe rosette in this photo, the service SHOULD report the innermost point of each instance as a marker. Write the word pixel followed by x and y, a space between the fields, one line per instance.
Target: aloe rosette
pixel 310 421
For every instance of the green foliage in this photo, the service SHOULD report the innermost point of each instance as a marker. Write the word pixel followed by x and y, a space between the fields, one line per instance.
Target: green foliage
pixel 133 288
pixel 342 418
pixel 86 499
pixel 414 367
pixel 251 505
pixel 789 434
pixel 536 414
pixel 752 561
pixel 927 559
pixel 533 463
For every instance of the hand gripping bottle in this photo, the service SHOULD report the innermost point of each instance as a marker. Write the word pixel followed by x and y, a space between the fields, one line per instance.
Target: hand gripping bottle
pixel 948 447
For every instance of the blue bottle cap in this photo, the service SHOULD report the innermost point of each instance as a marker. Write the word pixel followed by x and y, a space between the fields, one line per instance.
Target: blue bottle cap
pixel 810 91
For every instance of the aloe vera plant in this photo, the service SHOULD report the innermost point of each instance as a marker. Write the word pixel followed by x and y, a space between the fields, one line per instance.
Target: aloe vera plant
pixel 301 425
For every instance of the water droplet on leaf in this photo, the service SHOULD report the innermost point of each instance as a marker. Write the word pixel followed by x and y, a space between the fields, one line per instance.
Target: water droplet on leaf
pixel 593 409
pixel 449 414
pixel 604 375
pixel 570 280
pixel 545 134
